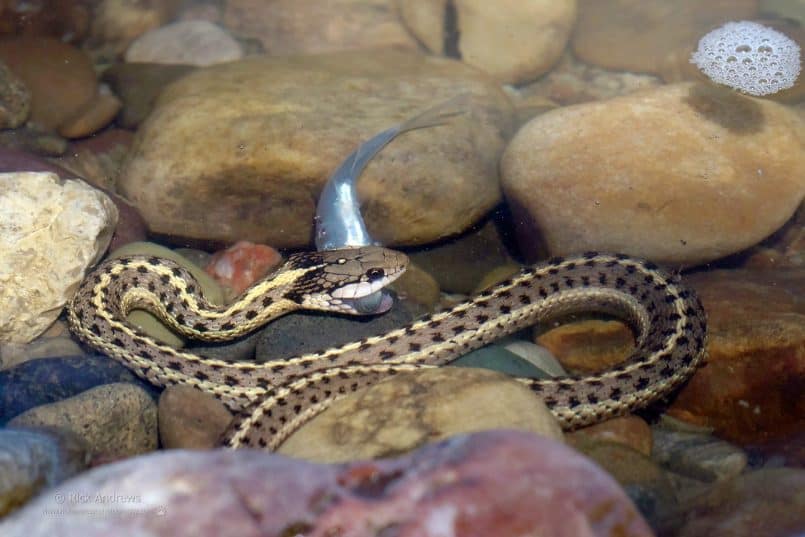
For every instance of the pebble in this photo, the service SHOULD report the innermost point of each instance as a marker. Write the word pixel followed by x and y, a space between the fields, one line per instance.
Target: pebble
pixel 196 42
pixel 91 118
pixel 65 20
pixel 303 332
pixel 60 77
pixel 149 323
pixel 403 413
pixel 33 139
pixel 498 357
pixel 15 99
pixel 112 419
pixel 698 456
pixel 756 325
pixel 297 135
pixel 33 459
pixel 588 346
pixel 636 36
pixel 460 263
pixel 48 380
pixel 630 431
pixel 587 180
pixel 139 86
pixel 418 289
pixel 242 264
pixel 191 419
pixel 116 23
pixel 766 502
pixel 646 483
pixel 514 42
pixel 488 483
pixel 12 354
pixel 286 27
pixel 50 232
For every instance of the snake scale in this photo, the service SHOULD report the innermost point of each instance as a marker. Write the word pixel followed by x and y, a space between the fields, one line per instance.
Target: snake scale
pixel 275 398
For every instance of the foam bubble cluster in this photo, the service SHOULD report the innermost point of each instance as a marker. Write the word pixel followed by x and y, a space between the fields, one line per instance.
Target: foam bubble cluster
pixel 748 57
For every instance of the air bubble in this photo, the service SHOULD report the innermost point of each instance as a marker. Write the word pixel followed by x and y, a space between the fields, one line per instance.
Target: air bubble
pixel 743 48
pixel 732 59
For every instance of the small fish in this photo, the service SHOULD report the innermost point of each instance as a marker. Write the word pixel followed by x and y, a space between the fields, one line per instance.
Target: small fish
pixel 339 223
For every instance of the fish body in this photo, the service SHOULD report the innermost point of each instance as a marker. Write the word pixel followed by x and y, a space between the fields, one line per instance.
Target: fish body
pixel 339 223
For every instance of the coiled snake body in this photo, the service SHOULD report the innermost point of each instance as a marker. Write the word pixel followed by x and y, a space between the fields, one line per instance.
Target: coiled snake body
pixel 273 399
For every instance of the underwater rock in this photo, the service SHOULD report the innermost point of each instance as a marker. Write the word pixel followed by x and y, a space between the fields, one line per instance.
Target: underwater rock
pixel 513 40
pixel 47 380
pixel 113 419
pixel 15 99
pixel 403 413
pixel 491 483
pixel 286 27
pixel 680 174
pixel 60 77
pixel 242 264
pixel 50 232
pixel 254 173
pixel 750 391
pixel 116 23
pixel 626 35
pixel 631 431
pixel 12 354
pixel 191 419
pixel 767 502
pixel 31 460
pixel 197 43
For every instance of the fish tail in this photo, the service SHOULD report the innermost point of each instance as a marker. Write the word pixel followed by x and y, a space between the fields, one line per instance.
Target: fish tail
pixel 439 114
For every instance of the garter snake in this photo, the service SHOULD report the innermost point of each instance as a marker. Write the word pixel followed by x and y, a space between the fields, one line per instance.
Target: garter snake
pixel 275 398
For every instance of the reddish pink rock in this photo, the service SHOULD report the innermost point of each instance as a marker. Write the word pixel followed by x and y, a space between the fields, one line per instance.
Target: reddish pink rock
pixel 242 264
pixel 493 483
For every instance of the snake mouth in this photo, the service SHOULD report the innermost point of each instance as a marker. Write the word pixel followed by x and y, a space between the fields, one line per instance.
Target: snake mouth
pixel 364 298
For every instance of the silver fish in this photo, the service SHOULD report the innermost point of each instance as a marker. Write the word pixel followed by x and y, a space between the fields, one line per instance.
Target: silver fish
pixel 339 223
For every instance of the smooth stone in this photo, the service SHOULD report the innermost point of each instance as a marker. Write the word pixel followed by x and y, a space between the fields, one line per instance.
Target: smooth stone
pixel 286 27
pixel 706 141
pixel 536 355
pixel 48 380
pixel 65 20
pixel 635 36
pixel 31 138
pixel 148 322
pixel 196 42
pixel 766 502
pixel 496 276
pixel 116 23
pixel 460 263
pixel 588 346
pixel 698 456
pixel 513 40
pixel 756 325
pixel 60 77
pixel 32 460
pixel 648 485
pixel 305 332
pixel 498 358
pixel 139 85
pixel 417 288
pixel 12 354
pixel 113 419
pixel 242 264
pixel 50 232
pixel 189 162
pixel 191 419
pixel 242 348
pixel 92 117
pixel 411 409
pixel 15 99
pixel 630 431
pixel 491 483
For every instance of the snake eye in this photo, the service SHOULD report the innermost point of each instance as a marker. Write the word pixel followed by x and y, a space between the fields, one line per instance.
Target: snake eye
pixel 375 273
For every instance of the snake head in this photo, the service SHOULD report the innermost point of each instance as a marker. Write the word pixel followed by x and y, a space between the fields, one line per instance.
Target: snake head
pixel 338 280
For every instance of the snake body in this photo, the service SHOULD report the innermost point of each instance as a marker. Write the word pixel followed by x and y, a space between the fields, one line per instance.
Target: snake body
pixel 274 399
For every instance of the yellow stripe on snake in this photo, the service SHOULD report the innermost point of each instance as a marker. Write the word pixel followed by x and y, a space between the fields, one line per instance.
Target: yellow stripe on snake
pixel 274 399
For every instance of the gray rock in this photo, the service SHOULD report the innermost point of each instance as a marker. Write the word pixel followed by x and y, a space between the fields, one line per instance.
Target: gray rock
pixel 698 456
pixel 33 459
pixel 113 419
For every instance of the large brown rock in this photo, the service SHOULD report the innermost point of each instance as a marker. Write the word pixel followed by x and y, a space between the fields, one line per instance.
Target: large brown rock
pixel 311 26
pixel 680 174
pixel 513 40
pixel 240 151
pixel 487 484
pixel 636 35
